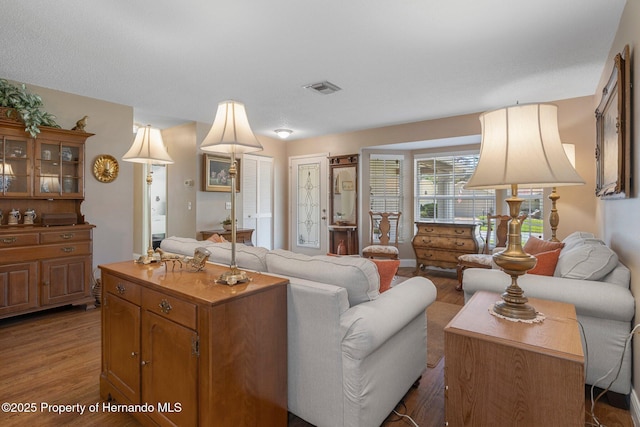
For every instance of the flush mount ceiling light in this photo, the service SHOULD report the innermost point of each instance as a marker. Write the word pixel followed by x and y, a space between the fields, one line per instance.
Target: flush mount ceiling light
pixel 325 87
pixel 283 133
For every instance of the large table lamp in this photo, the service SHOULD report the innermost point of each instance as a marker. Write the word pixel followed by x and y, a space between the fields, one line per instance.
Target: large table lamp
pixel 148 148
pixel 520 146
pixel 554 217
pixel 231 134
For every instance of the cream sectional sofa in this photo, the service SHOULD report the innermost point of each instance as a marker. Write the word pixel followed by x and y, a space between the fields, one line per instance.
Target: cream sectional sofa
pixel 590 276
pixel 353 353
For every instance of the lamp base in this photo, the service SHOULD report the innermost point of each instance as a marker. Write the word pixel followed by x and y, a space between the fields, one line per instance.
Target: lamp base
pixel 514 310
pixel 233 277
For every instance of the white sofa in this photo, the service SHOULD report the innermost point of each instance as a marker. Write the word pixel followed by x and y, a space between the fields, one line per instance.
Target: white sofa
pixel 590 276
pixel 353 353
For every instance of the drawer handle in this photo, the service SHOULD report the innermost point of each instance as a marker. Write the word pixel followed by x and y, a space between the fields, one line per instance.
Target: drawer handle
pixel 459 243
pixel 9 240
pixel 425 240
pixel 134 354
pixel 429 230
pixel 165 306
pixel 66 236
pixel 120 288
pixel 145 362
pixel 68 249
pixel 459 231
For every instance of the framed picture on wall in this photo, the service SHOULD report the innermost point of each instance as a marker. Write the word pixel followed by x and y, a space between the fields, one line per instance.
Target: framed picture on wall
pixel 613 132
pixel 216 173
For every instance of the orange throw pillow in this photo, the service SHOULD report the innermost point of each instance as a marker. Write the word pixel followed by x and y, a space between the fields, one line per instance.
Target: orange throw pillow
pixel 387 269
pixel 546 264
pixel 216 238
pixel 535 246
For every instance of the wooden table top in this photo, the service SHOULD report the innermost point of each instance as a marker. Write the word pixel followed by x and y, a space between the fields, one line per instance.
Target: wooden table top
pixel 558 334
pixel 200 287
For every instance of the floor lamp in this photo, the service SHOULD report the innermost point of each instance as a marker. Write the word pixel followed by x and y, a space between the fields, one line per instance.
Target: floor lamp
pixel 148 148
pixel 231 134
pixel 554 217
pixel 520 146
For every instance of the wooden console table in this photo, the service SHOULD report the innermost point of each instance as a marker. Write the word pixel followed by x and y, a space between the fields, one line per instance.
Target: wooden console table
pixel 504 373
pixel 243 235
pixel 348 233
pixel 198 352
pixel 440 244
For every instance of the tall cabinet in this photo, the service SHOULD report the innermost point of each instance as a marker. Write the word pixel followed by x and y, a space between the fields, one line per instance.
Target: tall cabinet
pixel 343 205
pixel 42 266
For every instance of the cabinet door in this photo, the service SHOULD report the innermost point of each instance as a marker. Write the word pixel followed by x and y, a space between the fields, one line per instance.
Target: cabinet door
pixel 169 371
pixel 121 345
pixel 65 279
pixel 59 169
pixel 18 290
pixel 15 171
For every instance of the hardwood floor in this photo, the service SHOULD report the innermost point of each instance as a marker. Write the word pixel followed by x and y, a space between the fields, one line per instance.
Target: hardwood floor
pixel 53 358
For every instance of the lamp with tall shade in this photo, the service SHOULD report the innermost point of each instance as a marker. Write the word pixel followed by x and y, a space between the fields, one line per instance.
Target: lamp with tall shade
pixel 554 217
pixel 520 146
pixel 148 148
pixel 231 134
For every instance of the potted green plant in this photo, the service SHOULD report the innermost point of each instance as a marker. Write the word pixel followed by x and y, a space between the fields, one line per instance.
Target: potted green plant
pixel 18 104
pixel 226 224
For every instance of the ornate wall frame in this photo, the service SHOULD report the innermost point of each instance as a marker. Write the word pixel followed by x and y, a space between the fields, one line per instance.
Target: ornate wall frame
pixel 216 176
pixel 613 132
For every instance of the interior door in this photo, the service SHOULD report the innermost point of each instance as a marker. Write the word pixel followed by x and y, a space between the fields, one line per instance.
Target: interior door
pixel 308 201
pixel 257 198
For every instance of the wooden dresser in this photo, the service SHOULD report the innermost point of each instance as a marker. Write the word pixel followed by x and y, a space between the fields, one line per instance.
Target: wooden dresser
pixel 504 373
pixel 243 235
pixel 440 244
pixel 198 352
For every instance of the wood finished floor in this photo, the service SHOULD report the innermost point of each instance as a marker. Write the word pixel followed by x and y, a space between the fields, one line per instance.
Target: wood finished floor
pixel 54 358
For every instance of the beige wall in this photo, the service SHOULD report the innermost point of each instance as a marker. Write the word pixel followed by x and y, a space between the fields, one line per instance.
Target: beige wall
pixel 576 125
pixel 618 219
pixel 108 206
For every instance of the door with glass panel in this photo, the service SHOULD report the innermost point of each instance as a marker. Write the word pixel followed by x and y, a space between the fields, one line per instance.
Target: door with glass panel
pixel 308 200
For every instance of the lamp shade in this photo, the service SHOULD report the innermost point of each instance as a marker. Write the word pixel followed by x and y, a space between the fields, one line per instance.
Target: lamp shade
pixel 521 145
pixel 230 132
pixel 570 151
pixel 148 147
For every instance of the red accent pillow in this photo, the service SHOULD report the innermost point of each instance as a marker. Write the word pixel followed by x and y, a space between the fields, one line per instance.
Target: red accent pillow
pixel 535 246
pixel 546 264
pixel 387 269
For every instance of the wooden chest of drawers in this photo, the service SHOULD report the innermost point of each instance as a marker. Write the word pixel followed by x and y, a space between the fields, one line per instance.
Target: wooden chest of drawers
pixel 440 244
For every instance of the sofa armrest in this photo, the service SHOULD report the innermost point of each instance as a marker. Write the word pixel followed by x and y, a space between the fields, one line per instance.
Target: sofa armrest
pixel 368 325
pixel 591 298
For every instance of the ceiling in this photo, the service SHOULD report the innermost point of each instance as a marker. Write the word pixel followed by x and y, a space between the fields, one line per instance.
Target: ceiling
pixel 397 61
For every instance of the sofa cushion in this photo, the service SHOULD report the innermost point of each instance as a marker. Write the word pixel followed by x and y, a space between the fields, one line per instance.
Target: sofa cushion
pixel 576 238
pixel 387 269
pixel 358 276
pixel 536 246
pixel 546 264
pixel 586 261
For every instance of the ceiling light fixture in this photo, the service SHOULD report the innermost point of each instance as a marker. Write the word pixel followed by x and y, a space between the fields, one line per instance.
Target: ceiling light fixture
pixel 324 88
pixel 283 133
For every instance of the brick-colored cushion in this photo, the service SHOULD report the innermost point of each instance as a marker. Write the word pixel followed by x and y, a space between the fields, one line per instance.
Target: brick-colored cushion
pixel 546 264
pixel 387 269
pixel 535 246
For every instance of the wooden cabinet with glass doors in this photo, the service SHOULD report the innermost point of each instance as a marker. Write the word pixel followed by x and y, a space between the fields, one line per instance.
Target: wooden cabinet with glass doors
pixel 44 262
pixel 343 205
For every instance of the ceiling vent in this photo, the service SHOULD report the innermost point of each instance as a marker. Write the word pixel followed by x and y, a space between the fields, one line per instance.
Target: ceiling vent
pixel 324 88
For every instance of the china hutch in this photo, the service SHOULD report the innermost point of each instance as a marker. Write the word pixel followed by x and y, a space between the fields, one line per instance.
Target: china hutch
pixel 343 205
pixel 45 244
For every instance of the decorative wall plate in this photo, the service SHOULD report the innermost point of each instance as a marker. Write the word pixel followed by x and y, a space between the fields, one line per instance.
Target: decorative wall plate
pixel 105 168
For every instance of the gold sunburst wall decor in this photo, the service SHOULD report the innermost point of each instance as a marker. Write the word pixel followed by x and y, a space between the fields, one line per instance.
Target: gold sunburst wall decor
pixel 105 168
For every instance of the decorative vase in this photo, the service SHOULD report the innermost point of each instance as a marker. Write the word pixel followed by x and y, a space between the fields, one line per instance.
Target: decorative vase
pixel 342 248
pixel 226 227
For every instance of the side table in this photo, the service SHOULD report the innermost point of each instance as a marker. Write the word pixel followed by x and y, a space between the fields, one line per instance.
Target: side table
pixel 243 235
pixel 500 372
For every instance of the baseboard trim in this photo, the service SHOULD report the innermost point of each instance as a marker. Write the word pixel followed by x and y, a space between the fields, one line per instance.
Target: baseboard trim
pixel 635 408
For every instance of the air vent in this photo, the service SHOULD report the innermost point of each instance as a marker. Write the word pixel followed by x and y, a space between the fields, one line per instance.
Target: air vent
pixel 325 88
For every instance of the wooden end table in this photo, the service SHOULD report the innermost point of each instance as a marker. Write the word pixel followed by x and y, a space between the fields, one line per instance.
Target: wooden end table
pixel 500 372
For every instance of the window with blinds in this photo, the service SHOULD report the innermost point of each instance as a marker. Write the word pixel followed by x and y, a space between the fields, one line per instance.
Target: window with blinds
pixel 440 194
pixel 385 179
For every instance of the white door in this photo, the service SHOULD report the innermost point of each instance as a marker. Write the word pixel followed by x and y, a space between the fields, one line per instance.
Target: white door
pixel 308 199
pixel 257 198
